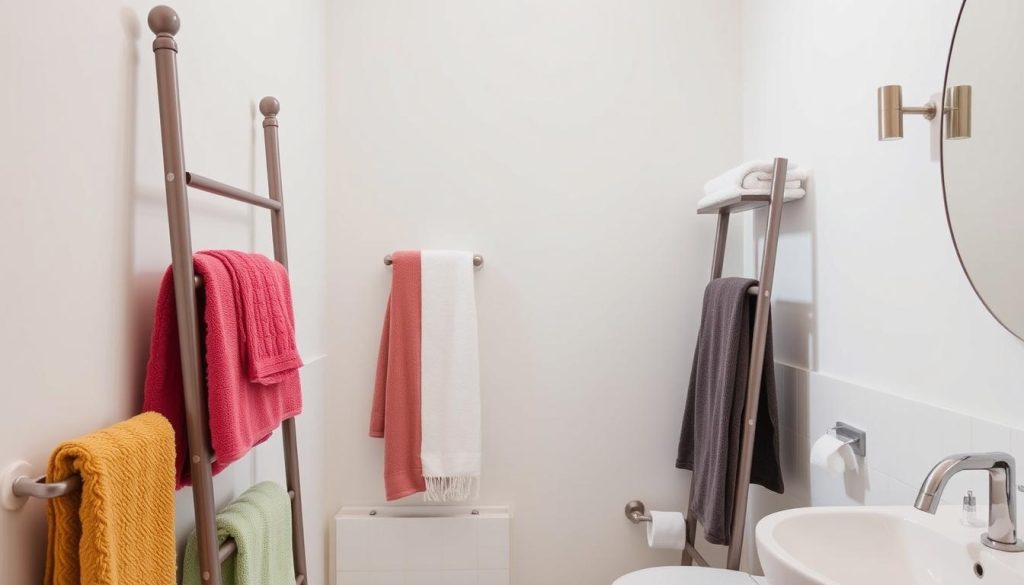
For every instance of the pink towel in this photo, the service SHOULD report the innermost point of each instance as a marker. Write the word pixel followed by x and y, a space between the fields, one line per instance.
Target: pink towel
pixel 396 394
pixel 242 412
pixel 263 301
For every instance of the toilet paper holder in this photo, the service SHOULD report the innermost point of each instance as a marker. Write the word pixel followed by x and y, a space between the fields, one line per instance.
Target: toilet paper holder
pixel 852 436
pixel 857 439
pixel 636 511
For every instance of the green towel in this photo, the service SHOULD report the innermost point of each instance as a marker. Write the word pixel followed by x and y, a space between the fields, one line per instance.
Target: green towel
pixel 260 522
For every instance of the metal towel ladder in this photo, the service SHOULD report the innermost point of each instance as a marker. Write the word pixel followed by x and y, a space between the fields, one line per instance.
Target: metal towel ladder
pixel 164 23
pixel 774 201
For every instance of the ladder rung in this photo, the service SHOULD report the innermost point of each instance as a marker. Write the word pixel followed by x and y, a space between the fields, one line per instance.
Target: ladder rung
pixel 217 188
pixel 227 549
pixel 300 579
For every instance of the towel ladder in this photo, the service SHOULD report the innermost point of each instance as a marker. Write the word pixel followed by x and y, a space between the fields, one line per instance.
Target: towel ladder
pixel 724 209
pixel 164 23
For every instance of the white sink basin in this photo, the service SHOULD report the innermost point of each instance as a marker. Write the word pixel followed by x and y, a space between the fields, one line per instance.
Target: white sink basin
pixel 896 545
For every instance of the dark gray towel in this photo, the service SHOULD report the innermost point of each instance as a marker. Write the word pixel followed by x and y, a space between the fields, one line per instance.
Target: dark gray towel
pixel 709 444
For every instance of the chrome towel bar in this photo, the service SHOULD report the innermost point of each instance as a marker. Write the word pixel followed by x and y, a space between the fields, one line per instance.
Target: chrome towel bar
pixel 478 260
pixel 27 487
pixel 18 483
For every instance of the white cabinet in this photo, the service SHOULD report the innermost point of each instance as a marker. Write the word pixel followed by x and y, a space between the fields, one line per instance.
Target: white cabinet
pixel 422 545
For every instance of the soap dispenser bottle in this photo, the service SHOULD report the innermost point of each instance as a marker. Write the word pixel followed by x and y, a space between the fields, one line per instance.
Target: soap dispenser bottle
pixel 969 514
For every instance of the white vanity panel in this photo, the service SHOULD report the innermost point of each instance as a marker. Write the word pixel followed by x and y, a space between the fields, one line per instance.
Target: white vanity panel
pixel 422 545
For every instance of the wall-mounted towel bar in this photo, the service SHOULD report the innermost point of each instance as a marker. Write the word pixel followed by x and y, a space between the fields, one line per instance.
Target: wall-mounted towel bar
pixel 27 487
pixel 478 260
pixel 18 483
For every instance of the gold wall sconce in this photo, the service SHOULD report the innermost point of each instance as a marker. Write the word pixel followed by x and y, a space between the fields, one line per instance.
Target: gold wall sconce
pixel 957 108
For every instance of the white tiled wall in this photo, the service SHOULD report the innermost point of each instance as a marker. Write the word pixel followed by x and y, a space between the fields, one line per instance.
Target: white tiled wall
pixel 420 546
pixel 904 440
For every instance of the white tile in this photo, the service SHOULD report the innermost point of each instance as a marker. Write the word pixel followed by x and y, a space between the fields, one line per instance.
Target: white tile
pixel 425 578
pixel 960 483
pixel 387 545
pixel 370 544
pixel 902 494
pixel 370 578
pixel 854 405
pixel 985 436
pixel 792 385
pixel 912 437
pixel 492 543
pixel 492 577
pixel 459 541
pixel 459 577
pixel 890 442
pixel 425 546
pixel 938 433
pixel 795 456
pixel 822 404
pixel 889 491
pixel 989 436
pixel 349 549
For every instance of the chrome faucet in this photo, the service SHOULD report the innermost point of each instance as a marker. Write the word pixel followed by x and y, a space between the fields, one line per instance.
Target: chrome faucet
pixel 1002 499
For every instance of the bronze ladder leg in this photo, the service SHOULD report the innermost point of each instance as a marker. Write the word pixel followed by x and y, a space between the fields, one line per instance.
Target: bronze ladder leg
pixel 270 107
pixel 165 24
pixel 757 348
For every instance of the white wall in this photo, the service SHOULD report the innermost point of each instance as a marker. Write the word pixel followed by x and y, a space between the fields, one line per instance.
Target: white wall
pixel 868 287
pixel 84 230
pixel 567 142
pixel 875 322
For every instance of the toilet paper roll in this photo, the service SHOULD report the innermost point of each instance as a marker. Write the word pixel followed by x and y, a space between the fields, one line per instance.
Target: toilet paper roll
pixel 830 454
pixel 666 530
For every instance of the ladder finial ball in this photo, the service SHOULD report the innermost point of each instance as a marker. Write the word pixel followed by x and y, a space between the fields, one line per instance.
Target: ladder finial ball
pixel 163 20
pixel 269 106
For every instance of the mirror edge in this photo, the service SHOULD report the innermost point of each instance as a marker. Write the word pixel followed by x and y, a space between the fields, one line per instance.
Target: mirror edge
pixel 945 192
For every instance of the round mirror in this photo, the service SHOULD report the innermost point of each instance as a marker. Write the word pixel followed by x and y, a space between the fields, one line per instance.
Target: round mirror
pixel 982 146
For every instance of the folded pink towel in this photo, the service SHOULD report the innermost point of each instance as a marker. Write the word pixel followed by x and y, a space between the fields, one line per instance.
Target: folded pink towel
pixel 242 412
pixel 263 301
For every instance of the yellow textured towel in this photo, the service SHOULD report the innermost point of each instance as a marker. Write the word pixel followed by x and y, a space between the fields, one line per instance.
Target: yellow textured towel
pixel 119 528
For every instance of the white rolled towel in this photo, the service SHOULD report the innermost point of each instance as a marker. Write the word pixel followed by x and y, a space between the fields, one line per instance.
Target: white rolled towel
pixel 754 181
pixel 755 174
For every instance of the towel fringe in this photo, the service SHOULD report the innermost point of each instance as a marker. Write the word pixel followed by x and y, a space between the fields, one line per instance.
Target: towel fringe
pixel 449 489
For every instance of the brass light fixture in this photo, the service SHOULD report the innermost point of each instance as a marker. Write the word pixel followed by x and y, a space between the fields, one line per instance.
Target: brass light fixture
pixel 891 111
pixel 958 112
